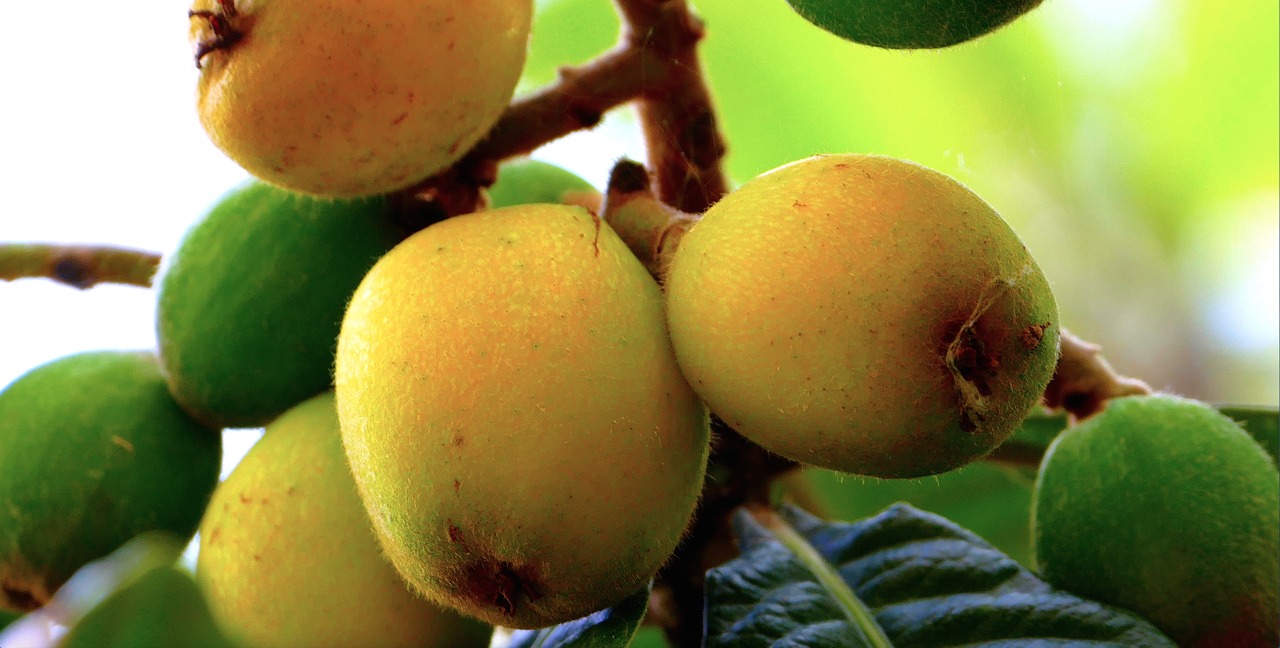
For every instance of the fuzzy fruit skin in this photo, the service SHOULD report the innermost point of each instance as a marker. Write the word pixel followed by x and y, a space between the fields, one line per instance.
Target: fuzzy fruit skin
pixel 814 307
pixel 911 24
pixel 525 181
pixel 288 558
pixel 514 416
pixel 250 304
pixel 1164 506
pixel 95 452
pixel 358 97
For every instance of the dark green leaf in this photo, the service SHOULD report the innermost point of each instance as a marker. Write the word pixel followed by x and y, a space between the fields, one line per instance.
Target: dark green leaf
pixel 929 583
pixel 1262 423
pixel 611 628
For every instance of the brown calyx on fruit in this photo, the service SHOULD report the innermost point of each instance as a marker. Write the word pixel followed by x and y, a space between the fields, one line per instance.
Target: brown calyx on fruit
pixel 499 584
pixel 488 583
pixel 971 358
pixel 23 596
pixel 225 27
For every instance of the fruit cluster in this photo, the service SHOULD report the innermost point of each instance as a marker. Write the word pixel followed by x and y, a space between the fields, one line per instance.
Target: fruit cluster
pixel 520 405
pixel 505 417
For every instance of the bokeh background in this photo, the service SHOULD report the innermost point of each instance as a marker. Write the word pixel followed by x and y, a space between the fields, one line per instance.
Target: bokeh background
pixel 1133 144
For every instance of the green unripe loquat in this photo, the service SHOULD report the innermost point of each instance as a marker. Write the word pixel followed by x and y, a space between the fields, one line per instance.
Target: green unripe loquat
pixel 250 304
pixel 96 451
pixel 911 24
pixel 1162 505
pixel 526 181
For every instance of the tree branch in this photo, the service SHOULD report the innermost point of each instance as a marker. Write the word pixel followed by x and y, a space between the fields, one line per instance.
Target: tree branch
pixel 78 266
pixel 684 144
pixel 655 61
pixel 1084 380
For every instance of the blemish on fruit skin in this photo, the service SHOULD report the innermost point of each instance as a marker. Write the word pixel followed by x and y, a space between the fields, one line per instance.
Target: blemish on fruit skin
pixel 455 534
pixel 128 447
pixel 1033 335
pixel 245 499
pixel 399 119
pixel 457 485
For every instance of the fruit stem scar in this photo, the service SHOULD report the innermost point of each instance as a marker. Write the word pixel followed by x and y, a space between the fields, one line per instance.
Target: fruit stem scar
pixel 224 35
pixel 18 597
pixel 967 359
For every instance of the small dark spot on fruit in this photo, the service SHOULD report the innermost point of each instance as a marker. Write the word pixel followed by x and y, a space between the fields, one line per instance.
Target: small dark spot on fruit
pixel 456 485
pixel 400 119
pixel 458 440
pixel 291 490
pixel 215 534
pixel 257 557
pixel 245 499
pixel 455 534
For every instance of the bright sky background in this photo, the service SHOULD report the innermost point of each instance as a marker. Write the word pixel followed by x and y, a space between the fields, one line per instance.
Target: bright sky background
pixel 99 143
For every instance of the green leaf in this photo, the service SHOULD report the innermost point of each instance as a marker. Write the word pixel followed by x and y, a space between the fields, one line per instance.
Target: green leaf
pixel 1262 423
pixel 611 628
pixel 927 581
